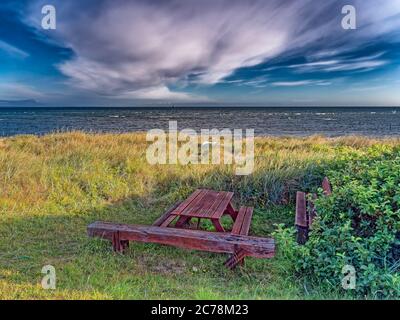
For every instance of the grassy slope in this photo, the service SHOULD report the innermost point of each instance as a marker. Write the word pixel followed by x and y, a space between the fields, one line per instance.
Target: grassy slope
pixel 53 186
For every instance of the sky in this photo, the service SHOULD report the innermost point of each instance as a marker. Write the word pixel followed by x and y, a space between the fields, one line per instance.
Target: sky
pixel 209 52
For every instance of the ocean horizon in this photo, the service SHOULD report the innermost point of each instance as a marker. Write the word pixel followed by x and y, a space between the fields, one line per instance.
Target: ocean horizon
pixel 266 121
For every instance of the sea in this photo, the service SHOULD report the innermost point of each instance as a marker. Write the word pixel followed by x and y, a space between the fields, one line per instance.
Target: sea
pixel 266 121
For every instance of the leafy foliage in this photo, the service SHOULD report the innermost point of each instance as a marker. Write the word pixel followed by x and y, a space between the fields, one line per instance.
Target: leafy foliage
pixel 357 225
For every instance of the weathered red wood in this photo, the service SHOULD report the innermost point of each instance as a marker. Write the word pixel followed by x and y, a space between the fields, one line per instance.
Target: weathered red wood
pixel 168 221
pixel 218 226
pixel 187 202
pixel 301 217
pixel 182 221
pixel 236 258
pixel 206 204
pixel 197 208
pixel 214 206
pixel 118 244
pixel 184 238
pixel 195 205
pixel 164 217
pixel 306 216
pixel 227 197
pixel 231 211
pixel 247 221
pixel 326 186
pixel 240 227
pixel 301 209
pixel 237 226
pixel 203 203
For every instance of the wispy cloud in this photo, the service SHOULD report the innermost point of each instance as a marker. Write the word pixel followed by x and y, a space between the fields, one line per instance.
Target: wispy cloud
pixel 12 50
pixel 11 90
pixel 365 63
pixel 257 82
pixel 300 83
pixel 318 64
pixel 162 93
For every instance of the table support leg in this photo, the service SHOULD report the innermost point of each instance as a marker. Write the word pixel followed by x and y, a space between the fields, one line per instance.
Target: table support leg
pixel 119 245
pixel 231 211
pixel 182 221
pixel 217 225
pixel 235 259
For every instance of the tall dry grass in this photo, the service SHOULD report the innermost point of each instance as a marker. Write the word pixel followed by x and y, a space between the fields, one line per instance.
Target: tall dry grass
pixel 74 171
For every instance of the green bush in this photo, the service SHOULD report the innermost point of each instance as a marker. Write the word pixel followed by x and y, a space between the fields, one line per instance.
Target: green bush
pixel 357 225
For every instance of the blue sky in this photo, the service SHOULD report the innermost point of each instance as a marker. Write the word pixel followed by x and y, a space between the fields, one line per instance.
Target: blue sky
pixel 214 52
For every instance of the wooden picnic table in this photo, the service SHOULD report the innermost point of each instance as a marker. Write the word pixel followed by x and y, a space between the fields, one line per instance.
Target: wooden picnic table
pixel 171 229
pixel 202 204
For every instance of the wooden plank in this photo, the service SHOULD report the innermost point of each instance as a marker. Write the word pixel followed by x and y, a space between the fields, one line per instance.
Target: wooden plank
pixel 208 207
pixel 227 197
pixel 204 200
pixel 242 227
pixel 231 211
pixel 119 245
pixel 187 202
pixel 218 226
pixel 236 258
pixel 301 218
pixel 168 221
pixel 184 238
pixel 208 202
pixel 116 242
pixel 247 222
pixel 326 186
pixel 183 222
pixel 302 234
pixel 164 217
pixel 209 213
pixel 237 226
pixel 301 210
pixel 196 203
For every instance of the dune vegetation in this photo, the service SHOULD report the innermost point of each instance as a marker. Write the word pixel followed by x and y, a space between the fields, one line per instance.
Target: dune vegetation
pixel 53 186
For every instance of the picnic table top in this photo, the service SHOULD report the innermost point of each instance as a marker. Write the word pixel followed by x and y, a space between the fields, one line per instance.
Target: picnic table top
pixel 204 203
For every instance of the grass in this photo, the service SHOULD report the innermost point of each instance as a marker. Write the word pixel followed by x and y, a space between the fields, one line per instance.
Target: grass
pixel 52 186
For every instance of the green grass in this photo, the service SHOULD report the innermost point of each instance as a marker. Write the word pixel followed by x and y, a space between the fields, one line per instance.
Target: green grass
pixel 52 187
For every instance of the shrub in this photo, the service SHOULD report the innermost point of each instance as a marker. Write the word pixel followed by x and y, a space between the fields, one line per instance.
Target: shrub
pixel 357 225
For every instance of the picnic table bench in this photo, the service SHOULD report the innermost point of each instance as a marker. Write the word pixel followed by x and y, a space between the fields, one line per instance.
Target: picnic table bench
pixel 174 228
pixel 306 212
